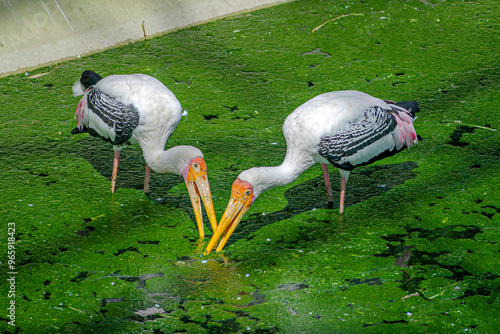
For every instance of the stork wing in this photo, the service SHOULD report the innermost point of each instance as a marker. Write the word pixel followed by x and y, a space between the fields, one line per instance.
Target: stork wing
pixel 108 118
pixel 369 139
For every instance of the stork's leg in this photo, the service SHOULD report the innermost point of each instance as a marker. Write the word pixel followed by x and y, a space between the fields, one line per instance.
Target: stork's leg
pixel 115 170
pixel 328 186
pixel 344 174
pixel 146 179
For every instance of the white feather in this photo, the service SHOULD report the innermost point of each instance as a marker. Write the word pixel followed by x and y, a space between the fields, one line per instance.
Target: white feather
pixel 324 115
pixel 78 89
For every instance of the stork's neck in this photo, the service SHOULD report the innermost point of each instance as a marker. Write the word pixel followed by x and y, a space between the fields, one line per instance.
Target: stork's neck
pixel 174 160
pixel 265 178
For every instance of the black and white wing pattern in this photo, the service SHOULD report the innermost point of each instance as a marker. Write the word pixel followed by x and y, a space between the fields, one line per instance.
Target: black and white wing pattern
pixel 363 142
pixel 105 117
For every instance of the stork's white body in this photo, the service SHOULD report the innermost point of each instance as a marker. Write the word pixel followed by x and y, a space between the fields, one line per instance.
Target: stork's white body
pixel 344 128
pixel 327 116
pixel 324 115
pixel 138 108
pixel 158 108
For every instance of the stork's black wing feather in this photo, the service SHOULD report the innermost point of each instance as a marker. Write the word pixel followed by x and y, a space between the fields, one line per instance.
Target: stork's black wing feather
pixel 341 148
pixel 116 115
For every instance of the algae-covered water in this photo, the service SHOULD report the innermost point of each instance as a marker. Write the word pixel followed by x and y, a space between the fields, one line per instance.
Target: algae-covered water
pixel 415 252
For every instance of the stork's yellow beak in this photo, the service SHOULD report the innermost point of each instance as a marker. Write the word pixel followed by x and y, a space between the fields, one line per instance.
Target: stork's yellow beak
pixel 196 179
pixel 240 202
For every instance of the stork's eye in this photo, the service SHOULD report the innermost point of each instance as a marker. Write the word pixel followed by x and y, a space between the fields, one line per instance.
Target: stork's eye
pixel 196 165
pixel 247 193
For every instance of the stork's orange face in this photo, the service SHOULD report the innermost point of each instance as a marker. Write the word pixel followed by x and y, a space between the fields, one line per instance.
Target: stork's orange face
pixel 196 179
pixel 242 197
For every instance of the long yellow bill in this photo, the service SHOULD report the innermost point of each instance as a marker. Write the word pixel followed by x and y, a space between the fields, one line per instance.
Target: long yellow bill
pixel 241 199
pixel 198 188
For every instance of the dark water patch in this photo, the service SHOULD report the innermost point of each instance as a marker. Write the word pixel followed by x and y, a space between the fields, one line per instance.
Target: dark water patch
pixel 25 262
pixel 270 330
pixel 80 277
pixel 394 84
pixel 410 283
pixel 191 239
pixel 257 298
pixel 46 282
pixel 184 258
pixel 130 279
pixel 490 214
pixel 369 281
pixel 143 278
pixel 227 326
pixel 387 322
pixel 143 319
pixel 452 232
pixel 244 116
pixel 83 233
pixel 364 183
pixel 210 117
pixel 422 258
pixel 232 168
pixel 456 135
pixel 148 242
pixel 107 301
pixel 404 256
pixel 46 295
pixel 232 109
pixel 410 256
pixel 181 81
pixel 310 84
pixel 479 291
pixel 293 287
pixel 130 249
pixel 187 320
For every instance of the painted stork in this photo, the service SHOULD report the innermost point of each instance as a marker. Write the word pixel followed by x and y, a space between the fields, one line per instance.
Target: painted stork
pixel 139 109
pixel 345 129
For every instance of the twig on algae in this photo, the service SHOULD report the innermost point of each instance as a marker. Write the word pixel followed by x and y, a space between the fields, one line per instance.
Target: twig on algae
pixel 341 16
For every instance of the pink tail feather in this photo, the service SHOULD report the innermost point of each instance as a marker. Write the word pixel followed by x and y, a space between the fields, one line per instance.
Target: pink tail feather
pixel 405 133
pixel 80 110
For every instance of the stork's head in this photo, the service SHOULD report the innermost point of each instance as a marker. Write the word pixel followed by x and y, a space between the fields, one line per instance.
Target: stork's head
pixel 195 176
pixel 242 197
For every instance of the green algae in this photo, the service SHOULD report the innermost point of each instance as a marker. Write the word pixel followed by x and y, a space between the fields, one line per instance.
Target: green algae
pixel 416 251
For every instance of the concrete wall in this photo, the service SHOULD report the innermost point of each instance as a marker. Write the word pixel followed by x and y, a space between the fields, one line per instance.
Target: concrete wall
pixel 39 32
